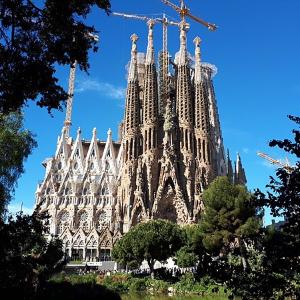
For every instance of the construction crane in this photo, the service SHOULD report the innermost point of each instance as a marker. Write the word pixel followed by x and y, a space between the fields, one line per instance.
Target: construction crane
pixel 184 11
pixel 286 166
pixel 68 119
pixel 165 56
pixel 68 122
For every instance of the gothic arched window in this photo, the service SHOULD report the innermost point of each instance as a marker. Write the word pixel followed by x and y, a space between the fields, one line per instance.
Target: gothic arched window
pixel 85 226
pixel 102 220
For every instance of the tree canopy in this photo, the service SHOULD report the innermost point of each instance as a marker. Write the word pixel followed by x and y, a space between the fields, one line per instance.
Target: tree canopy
pixel 193 251
pixel 16 145
pixel 27 258
pixel 155 240
pixel 33 40
pixel 230 215
pixel 283 197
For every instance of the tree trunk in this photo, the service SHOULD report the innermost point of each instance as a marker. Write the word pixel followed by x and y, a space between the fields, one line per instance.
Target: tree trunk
pixel 151 267
pixel 243 254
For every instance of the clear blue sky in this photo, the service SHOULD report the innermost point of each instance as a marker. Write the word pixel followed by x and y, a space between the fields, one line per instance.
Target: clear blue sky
pixel 256 50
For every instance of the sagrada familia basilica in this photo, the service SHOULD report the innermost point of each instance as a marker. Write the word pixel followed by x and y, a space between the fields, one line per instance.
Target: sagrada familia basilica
pixel 169 149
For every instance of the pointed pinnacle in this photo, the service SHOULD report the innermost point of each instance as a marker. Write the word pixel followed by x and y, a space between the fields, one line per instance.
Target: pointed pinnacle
pixel 134 37
pixel 109 132
pixel 94 131
pixel 197 41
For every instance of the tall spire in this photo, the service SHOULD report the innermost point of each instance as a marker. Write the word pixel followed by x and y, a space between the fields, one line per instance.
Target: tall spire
pixel 229 168
pixel 150 96
pixel 132 109
pixel 150 48
pixel 239 175
pixel 201 97
pixel 183 58
pixel 204 146
pixel 132 75
pixel 184 103
pixel 197 42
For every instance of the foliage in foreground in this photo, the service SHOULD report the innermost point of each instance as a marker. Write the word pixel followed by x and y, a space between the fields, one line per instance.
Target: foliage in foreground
pixel 34 39
pixel 152 241
pixel 27 259
pixel 124 283
pixel 68 291
pixel 16 145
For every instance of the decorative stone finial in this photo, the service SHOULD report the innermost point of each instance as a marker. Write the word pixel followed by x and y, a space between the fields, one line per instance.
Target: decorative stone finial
pixel 78 131
pixel 197 41
pixel 151 23
pixel 134 37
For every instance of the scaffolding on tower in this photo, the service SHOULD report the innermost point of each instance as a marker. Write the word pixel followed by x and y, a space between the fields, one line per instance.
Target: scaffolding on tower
pixel 163 55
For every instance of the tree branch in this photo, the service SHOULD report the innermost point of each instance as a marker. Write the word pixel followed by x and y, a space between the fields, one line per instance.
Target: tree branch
pixel 33 5
pixel 3 34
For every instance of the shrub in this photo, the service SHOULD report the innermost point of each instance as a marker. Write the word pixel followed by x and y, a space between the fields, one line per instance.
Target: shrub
pixel 204 286
pixel 157 286
pixel 74 278
pixel 118 282
pixel 138 284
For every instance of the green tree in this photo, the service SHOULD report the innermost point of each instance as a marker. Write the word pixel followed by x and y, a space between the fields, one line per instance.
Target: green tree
pixel 152 241
pixel 230 218
pixel 27 258
pixel 193 251
pixel 283 196
pixel 282 244
pixel 274 259
pixel 16 145
pixel 34 40
pixel 186 258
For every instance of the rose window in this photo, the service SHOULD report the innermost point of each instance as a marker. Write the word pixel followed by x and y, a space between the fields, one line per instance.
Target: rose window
pixel 83 217
pixel 65 216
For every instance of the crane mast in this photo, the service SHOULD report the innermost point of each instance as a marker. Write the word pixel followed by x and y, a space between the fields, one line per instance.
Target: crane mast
pixel 68 121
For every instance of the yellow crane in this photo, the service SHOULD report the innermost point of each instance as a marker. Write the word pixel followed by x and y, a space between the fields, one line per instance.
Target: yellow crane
pixel 273 161
pixel 184 11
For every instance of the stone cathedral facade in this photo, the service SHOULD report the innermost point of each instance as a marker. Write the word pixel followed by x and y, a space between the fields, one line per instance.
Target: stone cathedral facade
pixel 170 148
